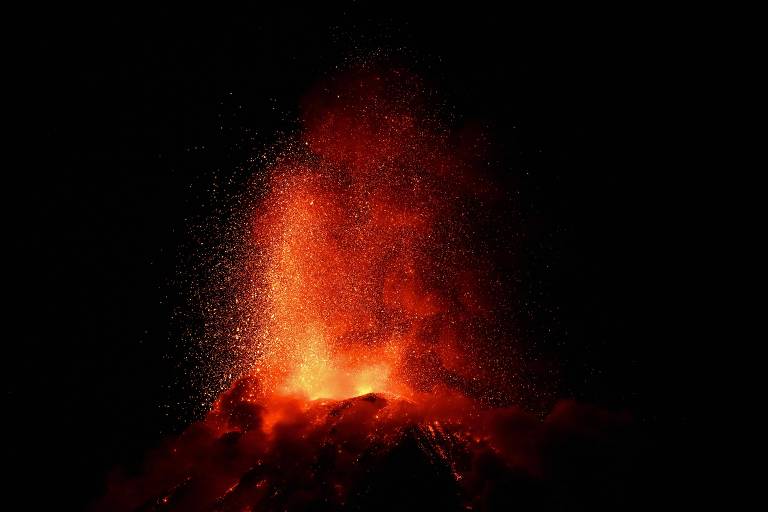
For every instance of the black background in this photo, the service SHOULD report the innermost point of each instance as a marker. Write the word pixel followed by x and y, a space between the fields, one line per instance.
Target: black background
pixel 131 119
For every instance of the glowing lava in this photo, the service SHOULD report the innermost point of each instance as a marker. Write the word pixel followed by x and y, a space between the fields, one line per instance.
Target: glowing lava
pixel 367 277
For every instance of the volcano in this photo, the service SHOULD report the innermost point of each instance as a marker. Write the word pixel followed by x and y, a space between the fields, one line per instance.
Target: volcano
pixel 332 455
pixel 382 452
pixel 371 361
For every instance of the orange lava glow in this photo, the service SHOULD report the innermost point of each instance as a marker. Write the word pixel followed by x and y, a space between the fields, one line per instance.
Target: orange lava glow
pixel 364 279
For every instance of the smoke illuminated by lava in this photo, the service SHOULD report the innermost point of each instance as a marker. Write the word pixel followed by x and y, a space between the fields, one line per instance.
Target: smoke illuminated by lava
pixel 377 373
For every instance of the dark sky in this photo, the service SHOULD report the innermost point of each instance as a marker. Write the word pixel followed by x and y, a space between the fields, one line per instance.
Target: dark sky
pixel 130 119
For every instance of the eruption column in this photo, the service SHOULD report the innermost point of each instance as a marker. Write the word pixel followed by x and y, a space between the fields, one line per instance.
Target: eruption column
pixel 368 279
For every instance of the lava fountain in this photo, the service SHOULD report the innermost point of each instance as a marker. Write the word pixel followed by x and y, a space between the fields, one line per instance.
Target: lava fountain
pixel 379 375
pixel 368 279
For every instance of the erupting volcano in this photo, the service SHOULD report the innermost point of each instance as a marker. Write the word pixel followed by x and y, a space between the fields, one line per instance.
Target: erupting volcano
pixel 379 372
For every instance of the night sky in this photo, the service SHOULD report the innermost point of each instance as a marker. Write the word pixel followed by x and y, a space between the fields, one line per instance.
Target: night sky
pixel 136 124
